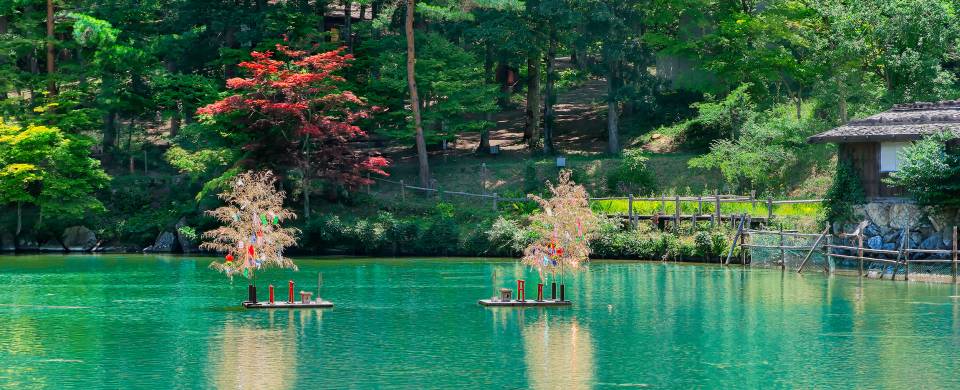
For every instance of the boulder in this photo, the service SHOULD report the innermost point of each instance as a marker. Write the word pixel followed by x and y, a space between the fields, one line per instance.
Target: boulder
pixel 892 236
pixel 164 243
pixel 6 242
pixel 904 215
pixel 79 238
pixel 889 246
pixel 932 242
pixel 186 244
pixel 879 213
pixel 871 230
pixel 875 242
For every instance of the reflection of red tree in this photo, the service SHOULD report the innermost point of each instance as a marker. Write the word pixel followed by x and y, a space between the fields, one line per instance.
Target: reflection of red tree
pixel 293 113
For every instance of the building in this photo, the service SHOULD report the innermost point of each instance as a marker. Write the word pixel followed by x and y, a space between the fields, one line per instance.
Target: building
pixel 871 145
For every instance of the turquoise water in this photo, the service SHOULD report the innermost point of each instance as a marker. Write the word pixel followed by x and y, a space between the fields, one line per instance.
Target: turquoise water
pixel 169 322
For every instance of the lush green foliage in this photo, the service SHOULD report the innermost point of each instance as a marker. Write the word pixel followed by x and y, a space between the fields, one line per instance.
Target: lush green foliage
pixel 930 171
pixel 632 175
pixel 845 192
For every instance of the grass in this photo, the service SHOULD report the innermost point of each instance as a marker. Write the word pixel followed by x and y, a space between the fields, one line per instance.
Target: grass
pixel 690 207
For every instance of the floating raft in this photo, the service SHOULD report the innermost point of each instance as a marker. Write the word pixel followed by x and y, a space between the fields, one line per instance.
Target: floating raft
pixel 524 303
pixel 287 305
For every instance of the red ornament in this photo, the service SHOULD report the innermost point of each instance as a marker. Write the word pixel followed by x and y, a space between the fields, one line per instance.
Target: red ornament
pixel 229 257
pixel 560 251
pixel 250 250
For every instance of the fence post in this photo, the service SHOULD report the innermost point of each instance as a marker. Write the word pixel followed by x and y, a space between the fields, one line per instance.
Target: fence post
pixel 699 204
pixel 753 200
pixel 860 250
pixel 716 210
pixel 743 239
pixel 783 257
pixel 828 251
pixel 906 261
pixel 483 178
pixel 769 209
pixel 436 186
pixel 496 197
pixel 630 209
pixel 663 203
pixel 954 254
pixel 403 191
pixel 676 213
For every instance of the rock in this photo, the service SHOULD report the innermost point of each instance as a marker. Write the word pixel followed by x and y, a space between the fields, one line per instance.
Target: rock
pixel 164 243
pixel 51 246
pixel 656 136
pixel 6 242
pixel 892 236
pixel 888 246
pixel 932 242
pixel 27 243
pixel 79 238
pixel 875 242
pixel 186 244
pixel 879 213
pixel 903 215
pixel 871 230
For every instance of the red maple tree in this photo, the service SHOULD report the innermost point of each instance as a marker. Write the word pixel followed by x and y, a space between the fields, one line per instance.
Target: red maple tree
pixel 292 113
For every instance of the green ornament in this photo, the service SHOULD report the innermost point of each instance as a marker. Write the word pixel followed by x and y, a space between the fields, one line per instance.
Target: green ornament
pixel 276 220
pixel 246 274
pixel 263 219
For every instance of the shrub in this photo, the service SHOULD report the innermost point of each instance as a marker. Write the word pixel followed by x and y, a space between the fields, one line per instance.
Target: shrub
pixel 930 171
pixel 632 175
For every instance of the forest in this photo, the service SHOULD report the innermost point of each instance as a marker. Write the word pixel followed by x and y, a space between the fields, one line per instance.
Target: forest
pixel 128 117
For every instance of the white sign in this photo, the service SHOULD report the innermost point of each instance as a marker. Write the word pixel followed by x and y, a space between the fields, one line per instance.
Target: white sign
pixel 889 155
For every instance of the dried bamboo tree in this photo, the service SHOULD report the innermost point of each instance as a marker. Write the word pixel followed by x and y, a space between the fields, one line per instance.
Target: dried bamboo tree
pixel 251 235
pixel 564 228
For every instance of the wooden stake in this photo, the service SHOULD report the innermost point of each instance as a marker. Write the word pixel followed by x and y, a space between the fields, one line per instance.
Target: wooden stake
pixel 906 260
pixel 860 250
pixel 814 247
pixel 716 209
pixel 828 252
pixel 769 210
pixel 783 257
pixel 954 251
pixel 630 209
pixel 676 213
pixel 753 200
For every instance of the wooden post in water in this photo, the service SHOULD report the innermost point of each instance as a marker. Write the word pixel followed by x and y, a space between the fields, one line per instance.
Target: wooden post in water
pixel 828 251
pixel 860 250
pixel 906 252
pixel 954 252
pixel 743 239
pixel 783 258
pixel 676 213
pixel 630 209
pixel 403 191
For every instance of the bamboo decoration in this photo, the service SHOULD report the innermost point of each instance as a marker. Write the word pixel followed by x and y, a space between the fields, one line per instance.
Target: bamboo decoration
pixel 250 232
pixel 564 229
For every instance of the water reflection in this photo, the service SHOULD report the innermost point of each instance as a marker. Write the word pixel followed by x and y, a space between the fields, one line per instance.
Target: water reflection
pixel 261 355
pixel 559 353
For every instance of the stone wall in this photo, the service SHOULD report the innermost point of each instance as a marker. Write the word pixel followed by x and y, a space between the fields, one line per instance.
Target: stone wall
pixel 930 228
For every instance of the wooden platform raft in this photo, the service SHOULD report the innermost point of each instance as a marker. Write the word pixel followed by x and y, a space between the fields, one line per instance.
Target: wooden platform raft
pixel 314 304
pixel 524 303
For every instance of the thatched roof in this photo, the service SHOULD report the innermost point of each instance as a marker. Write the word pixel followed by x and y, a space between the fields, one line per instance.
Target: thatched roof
pixel 904 122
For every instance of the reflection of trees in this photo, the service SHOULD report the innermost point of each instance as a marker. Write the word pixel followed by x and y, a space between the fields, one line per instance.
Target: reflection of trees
pixel 558 354
pixel 253 357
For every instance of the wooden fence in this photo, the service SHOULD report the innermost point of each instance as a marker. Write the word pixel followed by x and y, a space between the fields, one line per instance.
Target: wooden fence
pixel 921 264
pixel 661 218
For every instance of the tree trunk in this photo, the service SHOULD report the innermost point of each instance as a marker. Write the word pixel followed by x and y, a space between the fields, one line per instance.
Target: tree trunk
pixel 484 147
pixel 109 137
pixel 613 115
pixel 414 100
pixel 16 234
pixel 551 96
pixel 347 22
pixel 842 101
pixel 532 130
pixel 175 120
pixel 51 83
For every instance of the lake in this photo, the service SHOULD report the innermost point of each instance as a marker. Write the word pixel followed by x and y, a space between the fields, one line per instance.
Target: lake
pixel 139 321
